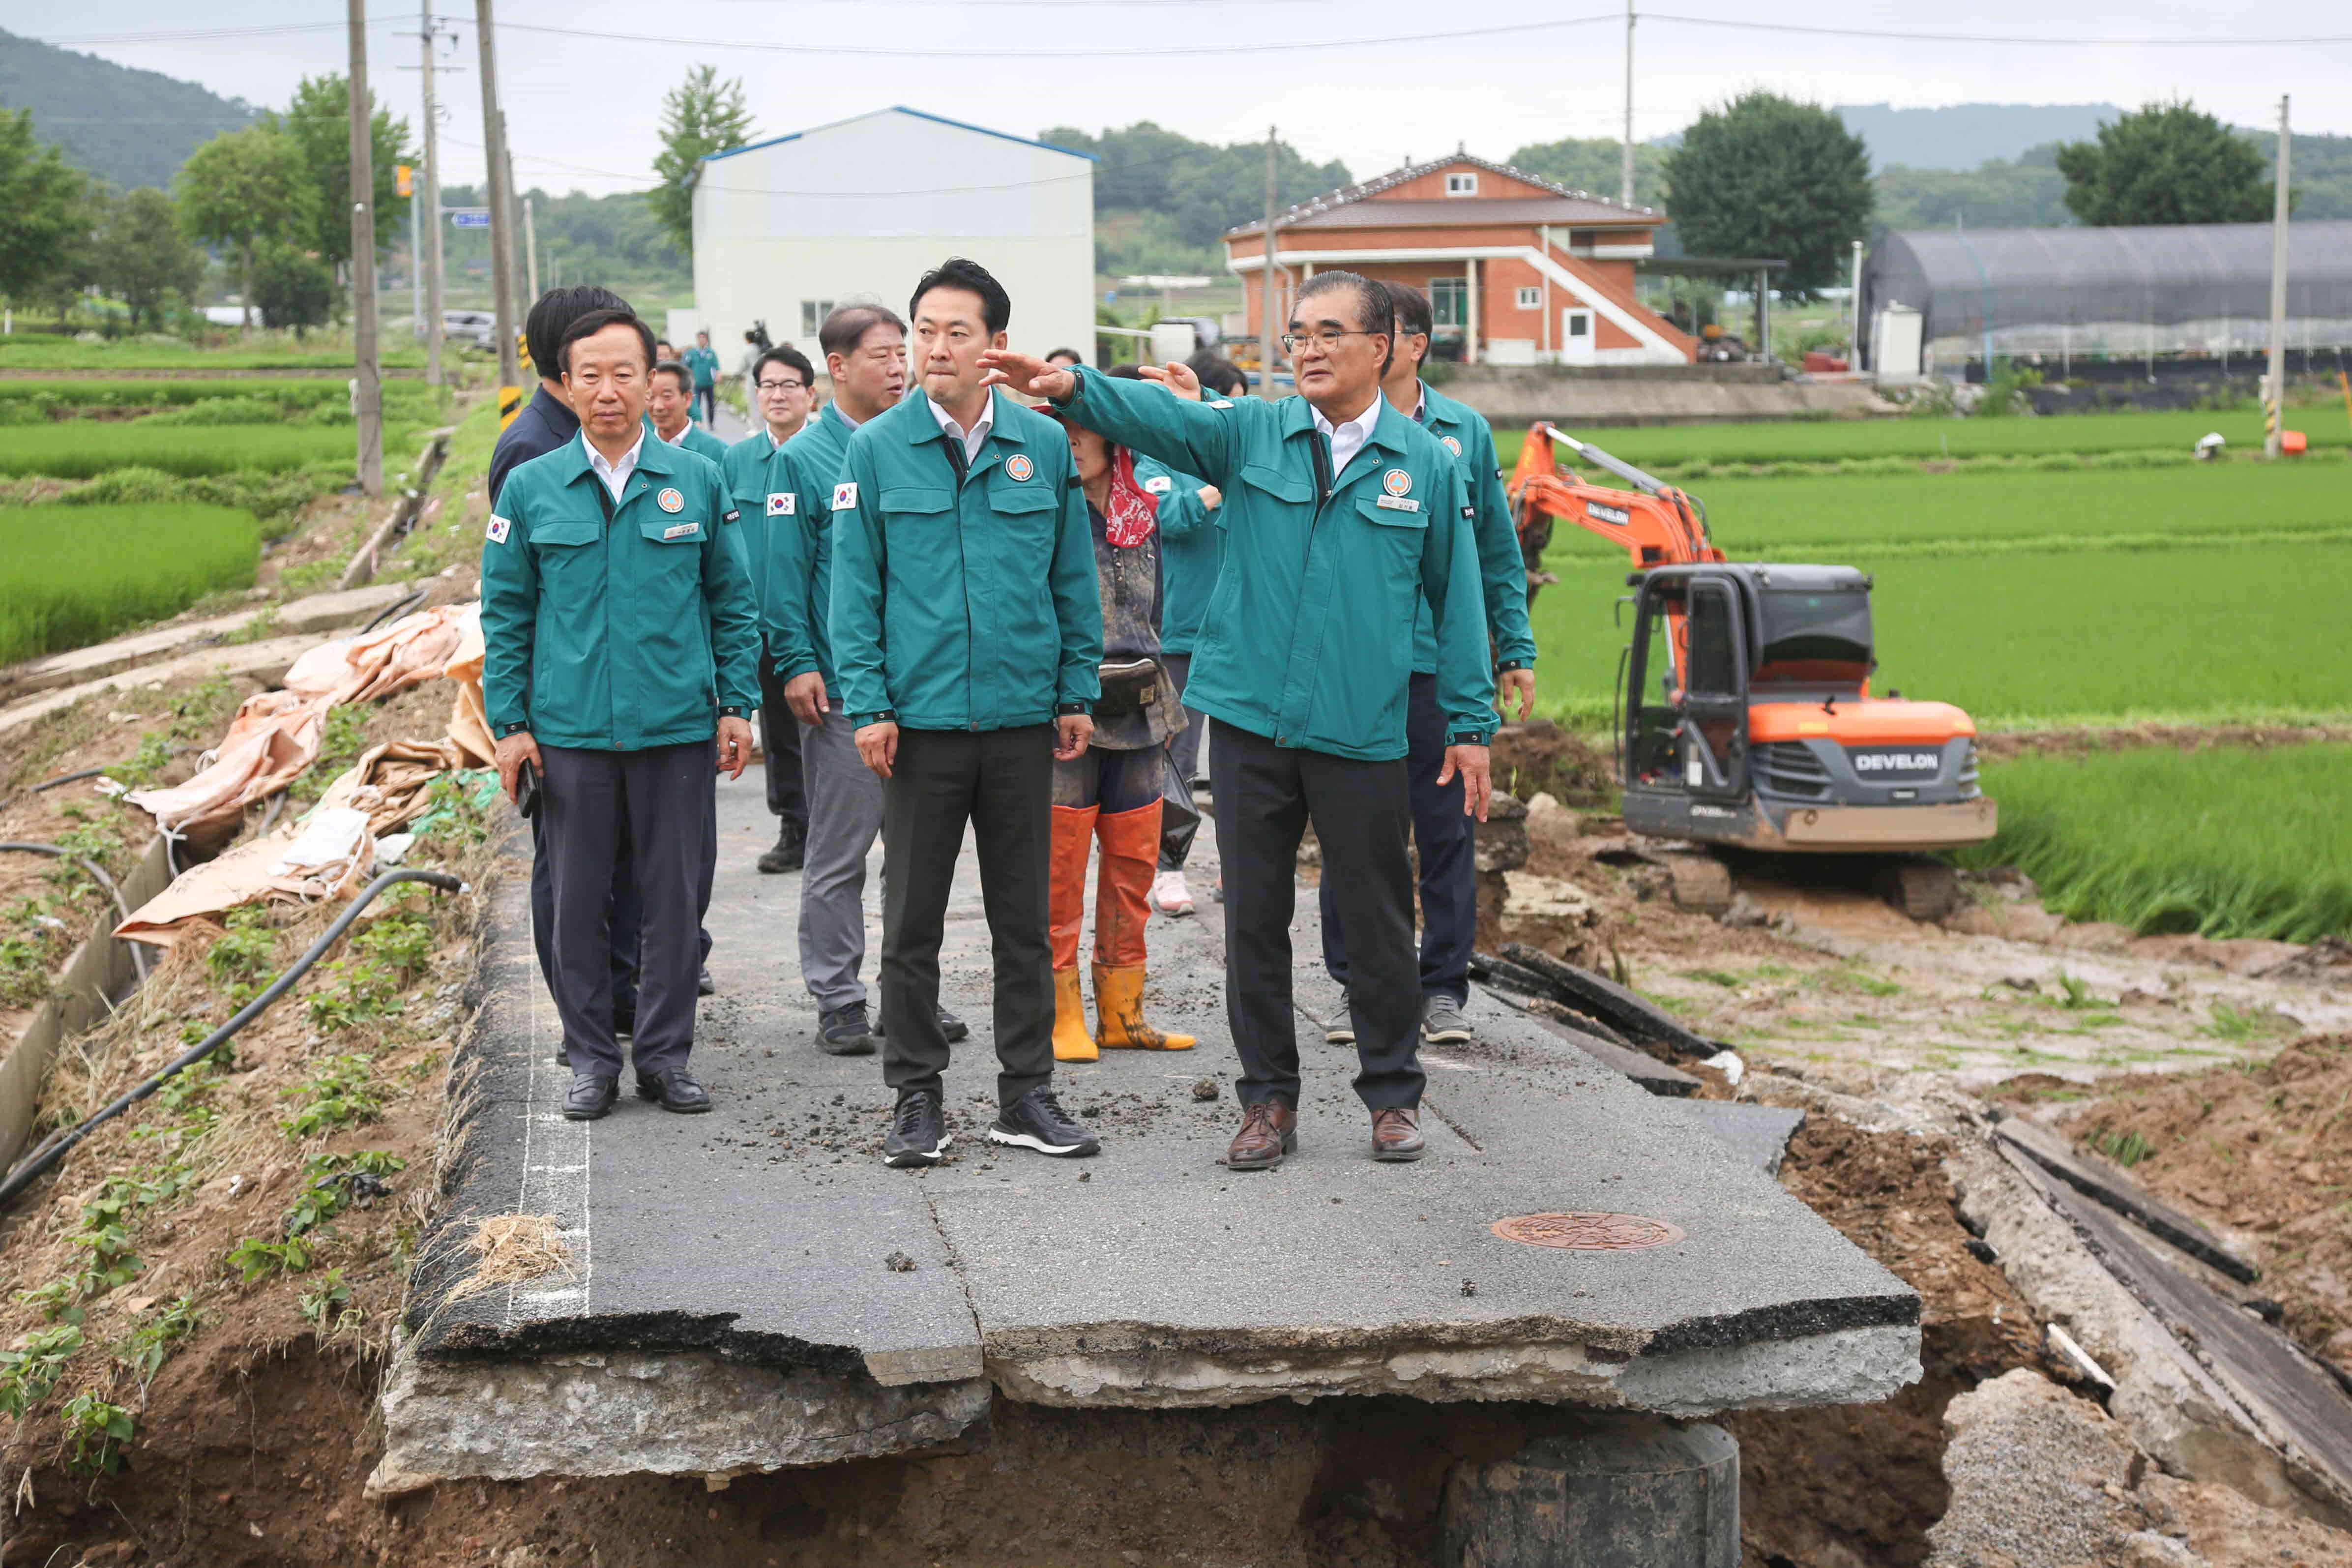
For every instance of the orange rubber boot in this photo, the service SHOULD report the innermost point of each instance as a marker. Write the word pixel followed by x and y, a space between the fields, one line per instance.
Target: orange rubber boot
pixel 1074 834
pixel 1130 855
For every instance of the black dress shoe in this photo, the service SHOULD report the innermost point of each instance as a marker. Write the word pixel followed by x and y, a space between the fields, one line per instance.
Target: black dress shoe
pixel 791 849
pixel 592 1097
pixel 674 1091
pixel 625 1022
pixel 703 984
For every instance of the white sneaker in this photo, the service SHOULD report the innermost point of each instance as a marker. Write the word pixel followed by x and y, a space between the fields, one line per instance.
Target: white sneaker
pixel 1168 894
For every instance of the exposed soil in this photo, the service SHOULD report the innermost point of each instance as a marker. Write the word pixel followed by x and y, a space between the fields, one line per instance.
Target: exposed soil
pixel 2261 1151
pixel 1543 758
pixel 2003 745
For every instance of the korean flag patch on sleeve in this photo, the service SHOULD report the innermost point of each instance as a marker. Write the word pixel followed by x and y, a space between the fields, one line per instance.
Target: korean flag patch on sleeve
pixel 500 528
pixel 1159 484
pixel 781 502
pixel 845 496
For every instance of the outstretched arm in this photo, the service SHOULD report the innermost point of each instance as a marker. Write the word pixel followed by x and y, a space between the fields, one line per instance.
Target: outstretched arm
pixel 1197 437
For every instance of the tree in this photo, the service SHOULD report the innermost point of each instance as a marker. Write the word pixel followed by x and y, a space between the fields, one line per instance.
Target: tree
pixel 318 122
pixel 144 257
pixel 38 193
pixel 1595 166
pixel 1766 177
pixel 1200 189
pixel 245 187
pixel 76 262
pixel 293 289
pixel 2168 163
pixel 700 116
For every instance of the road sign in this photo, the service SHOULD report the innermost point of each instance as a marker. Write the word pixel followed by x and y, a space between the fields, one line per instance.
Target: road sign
pixel 469 217
pixel 405 179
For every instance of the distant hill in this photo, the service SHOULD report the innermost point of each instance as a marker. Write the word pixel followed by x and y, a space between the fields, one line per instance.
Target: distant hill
pixel 1965 136
pixel 128 127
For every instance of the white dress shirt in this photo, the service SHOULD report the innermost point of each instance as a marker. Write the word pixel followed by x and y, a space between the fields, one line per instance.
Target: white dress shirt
pixel 1348 439
pixel 615 475
pixel 974 438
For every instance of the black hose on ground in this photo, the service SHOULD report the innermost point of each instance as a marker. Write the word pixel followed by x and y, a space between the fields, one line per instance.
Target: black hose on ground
pixel 394 611
pixel 96 874
pixel 36 1164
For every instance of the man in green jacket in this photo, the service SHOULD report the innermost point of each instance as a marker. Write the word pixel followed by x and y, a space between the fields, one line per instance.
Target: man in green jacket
pixel 783 385
pixel 865 355
pixel 702 362
pixel 1443 837
pixel 619 640
pixel 966 628
pixel 669 404
pixel 1340 515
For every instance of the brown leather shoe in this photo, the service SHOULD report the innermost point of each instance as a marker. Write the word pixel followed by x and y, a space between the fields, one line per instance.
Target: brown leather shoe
pixel 1268 1132
pixel 1396 1134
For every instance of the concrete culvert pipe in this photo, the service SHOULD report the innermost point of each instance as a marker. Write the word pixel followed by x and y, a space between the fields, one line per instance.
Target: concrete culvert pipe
pixel 1615 1491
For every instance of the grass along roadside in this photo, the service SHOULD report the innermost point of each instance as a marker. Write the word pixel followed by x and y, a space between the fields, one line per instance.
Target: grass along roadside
pixel 2222 841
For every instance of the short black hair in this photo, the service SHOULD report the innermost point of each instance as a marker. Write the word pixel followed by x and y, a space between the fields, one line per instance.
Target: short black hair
pixel 788 356
pixel 554 312
pixel 846 326
pixel 595 321
pixel 955 272
pixel 1412 310
pixel 671 367
pixel 1126 372
pixel 1218 374
pixel 1076 357
pixel 1375 313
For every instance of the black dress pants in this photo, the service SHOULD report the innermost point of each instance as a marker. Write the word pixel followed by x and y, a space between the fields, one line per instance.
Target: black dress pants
pixel 1002 783
pixel 1265 795
pixel 656 802
pixel 780 737
pixel 1447 840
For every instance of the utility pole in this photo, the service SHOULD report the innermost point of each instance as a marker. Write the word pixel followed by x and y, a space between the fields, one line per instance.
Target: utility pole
pixel 431 200
pixel 530 247
pixel 2275 385
pixel 1266 329
pixel 1625 170
pixel 501 199
pixel 367 389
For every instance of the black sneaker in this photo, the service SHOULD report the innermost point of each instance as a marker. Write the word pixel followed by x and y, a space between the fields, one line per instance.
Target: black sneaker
pixel 919 1132
pixel 1036 1120
pixel 844 1032
pixel 954 1028
pixel 790 850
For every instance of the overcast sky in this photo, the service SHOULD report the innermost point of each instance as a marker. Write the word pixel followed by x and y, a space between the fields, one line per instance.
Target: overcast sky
pixel 1363 80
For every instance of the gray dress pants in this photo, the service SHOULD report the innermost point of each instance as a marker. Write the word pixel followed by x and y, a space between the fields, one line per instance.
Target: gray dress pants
pixel 845 817
pixel 658 802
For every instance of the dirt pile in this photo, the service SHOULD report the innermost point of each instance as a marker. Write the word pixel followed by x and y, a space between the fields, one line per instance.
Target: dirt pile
pixel 1542 758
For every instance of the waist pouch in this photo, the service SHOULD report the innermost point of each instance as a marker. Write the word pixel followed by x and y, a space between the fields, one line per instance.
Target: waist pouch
pixel 1128 686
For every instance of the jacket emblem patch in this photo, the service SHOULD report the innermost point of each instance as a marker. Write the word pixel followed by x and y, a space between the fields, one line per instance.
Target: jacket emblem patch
pixel 1159 484
pixel 500 528
pixel 1018 466
pixel 1396 482
pixel 670 500
pixel 845 496
pixel 781 502
pixel 1452 444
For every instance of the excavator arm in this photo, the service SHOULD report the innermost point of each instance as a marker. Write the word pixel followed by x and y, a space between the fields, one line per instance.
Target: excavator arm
pixel 1657 524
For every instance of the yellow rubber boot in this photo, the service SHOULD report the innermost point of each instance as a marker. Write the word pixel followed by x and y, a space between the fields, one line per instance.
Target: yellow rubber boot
pixel 1119 1014
pixel 1071 1041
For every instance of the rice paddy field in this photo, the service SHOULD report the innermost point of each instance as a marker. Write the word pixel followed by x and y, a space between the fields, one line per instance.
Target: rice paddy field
pixel 2097 592
pixel 85 448
pixel 70 576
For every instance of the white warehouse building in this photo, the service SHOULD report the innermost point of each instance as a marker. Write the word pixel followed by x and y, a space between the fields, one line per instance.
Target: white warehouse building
pixel 857 210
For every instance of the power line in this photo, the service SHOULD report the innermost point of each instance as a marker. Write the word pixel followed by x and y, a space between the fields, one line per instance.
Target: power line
pixel 2234 41
pixel 798 47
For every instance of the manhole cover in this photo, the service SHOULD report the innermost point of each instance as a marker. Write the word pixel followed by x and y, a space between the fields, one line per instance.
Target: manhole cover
pixel 1587 1232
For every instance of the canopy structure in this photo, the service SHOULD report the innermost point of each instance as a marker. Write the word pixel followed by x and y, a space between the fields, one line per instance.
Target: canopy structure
pixel 2183 288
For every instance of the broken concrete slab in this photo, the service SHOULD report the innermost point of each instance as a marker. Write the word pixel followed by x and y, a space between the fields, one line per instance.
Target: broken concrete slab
pixel 1759 1133
pixel 269 662
pixel 1629 1014
pixel 1648 1071
pixel 1150 1275
pixel 2094 1178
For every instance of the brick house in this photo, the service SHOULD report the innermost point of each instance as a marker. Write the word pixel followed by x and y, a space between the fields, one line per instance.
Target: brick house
pixel 1518 270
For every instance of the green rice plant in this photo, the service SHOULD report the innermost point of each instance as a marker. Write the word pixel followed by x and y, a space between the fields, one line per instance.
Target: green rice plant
pixel 2226 841
pixel 324 351
pixel 2242 1025
pixel 72 395
pixel 81 449
pixel 1926 439
pixel 2127 1147
pixel 73 575
pixel 209 411
pixel 2023 640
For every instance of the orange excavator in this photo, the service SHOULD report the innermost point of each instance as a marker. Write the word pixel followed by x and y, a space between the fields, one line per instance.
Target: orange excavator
pixel 1745 713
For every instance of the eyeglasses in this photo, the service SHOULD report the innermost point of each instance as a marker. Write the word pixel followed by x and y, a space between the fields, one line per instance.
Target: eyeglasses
pixel 1327 339
pixel 783 386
